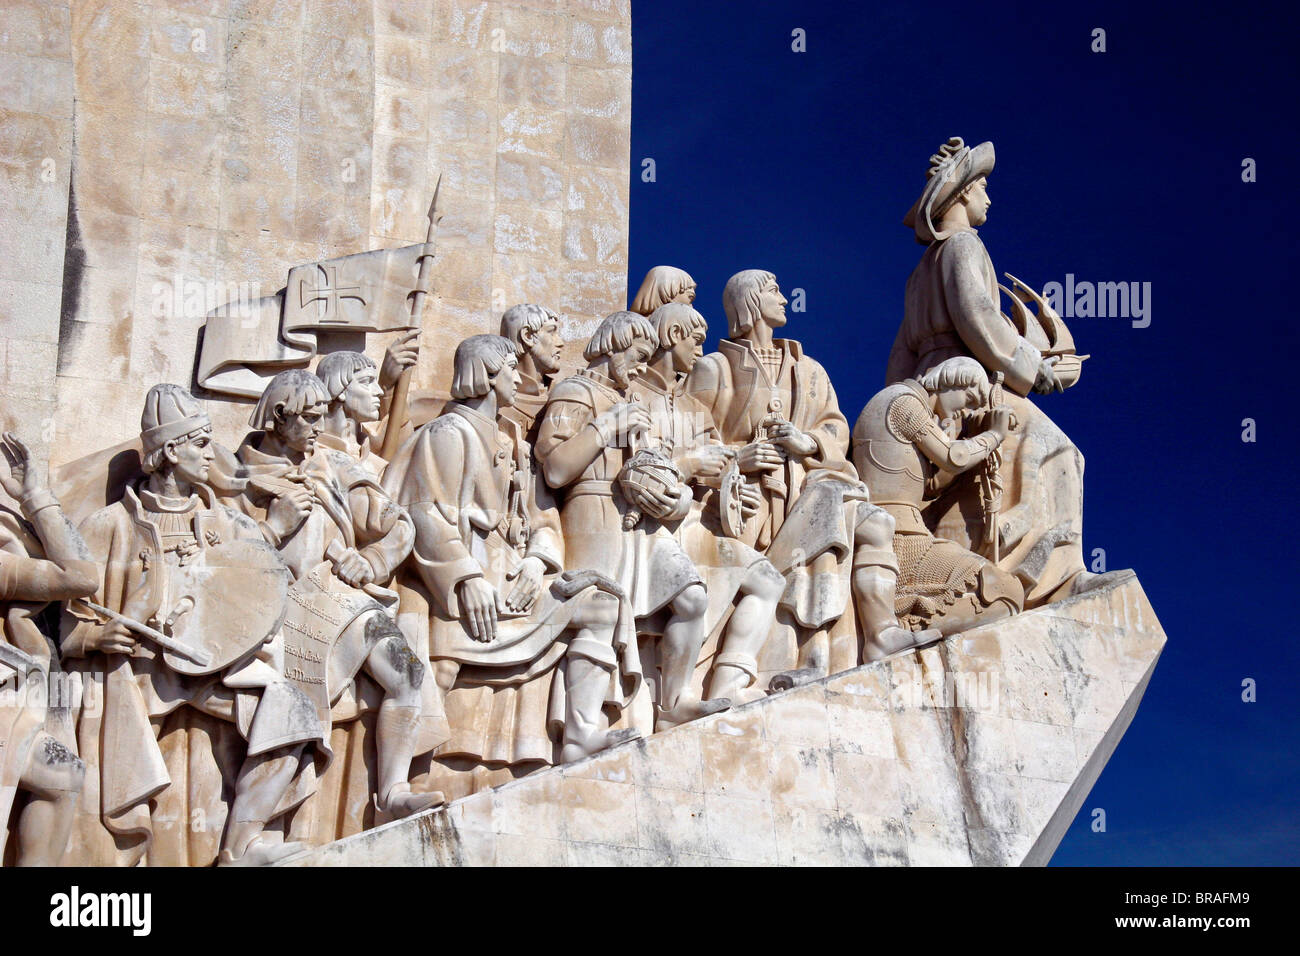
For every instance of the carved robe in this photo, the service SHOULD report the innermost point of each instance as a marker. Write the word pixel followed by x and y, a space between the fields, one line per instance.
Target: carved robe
pixel 810 541
pixel 479 509
pixel 159 776
pixel 351 511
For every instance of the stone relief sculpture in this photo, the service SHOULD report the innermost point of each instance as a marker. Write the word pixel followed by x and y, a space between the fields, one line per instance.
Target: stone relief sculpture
pixel 342 538
pixel 905 447
pixel 777 408
pixel 617 496
pixel 186 617
pixel 349 620
pixel 532 660
pixel 42 559
pixel 952 308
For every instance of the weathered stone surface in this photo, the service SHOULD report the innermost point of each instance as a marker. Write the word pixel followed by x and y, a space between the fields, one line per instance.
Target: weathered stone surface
pixel 977 751
pixel 223 143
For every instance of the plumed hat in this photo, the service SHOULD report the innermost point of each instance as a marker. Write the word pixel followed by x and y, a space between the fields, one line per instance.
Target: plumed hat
pixel 954 167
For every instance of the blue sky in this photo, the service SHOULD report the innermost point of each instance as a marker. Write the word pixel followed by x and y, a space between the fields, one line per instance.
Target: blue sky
pixel 1117 166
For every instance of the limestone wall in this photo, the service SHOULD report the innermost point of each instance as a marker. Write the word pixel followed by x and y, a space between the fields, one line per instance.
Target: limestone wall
pixel 977 751
pixel 201 147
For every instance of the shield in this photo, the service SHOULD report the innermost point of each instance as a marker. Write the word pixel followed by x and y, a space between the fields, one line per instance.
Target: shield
pixel 225 603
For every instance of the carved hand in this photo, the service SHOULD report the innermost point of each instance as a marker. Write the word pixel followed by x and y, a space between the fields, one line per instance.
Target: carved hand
pixel 478 608
pixel 21 478
pixel 528 584
pixel 758 456
pixel 667 506
pixel 289 510
pixel 621 422
pixel 751 499
pixel 401 355
pixel 1046 383
pixel 708 462
pixel 999 420
pixel 354 569
pixel 115 637
pixel 793 440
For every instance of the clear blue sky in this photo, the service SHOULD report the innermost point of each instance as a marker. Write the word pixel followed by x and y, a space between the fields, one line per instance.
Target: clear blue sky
pixel 1116 166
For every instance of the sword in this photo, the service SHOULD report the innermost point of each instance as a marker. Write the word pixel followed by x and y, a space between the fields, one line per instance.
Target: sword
pixel 423 286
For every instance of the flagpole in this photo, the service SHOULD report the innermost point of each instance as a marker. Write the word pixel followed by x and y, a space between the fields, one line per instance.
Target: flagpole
pixel 397 409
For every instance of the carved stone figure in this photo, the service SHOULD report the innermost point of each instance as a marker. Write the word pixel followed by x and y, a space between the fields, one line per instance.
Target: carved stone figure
pixel 952 308
pixel 356 394
pixel 906 447
pixel 777 407
pixel 343 538
pixel 195 580
pixel 535 332
pixel 661 285
pixel 590 448
pixel 42 559
pixel 743 586
pixel 532 662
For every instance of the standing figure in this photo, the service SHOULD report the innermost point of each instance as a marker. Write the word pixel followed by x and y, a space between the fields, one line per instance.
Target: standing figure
pixel 906 447
pixel 52 567
pixel 176 563
pixel 952 308
pixel 776 407
pixel 343 538
pixel 740 581
pixel 535 332
pixel 663 284
pixel 585 449
pixel 532 662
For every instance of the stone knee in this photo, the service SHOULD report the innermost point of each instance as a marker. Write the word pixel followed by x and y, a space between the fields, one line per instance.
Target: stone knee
pixel 599 612
pixel 764 581
pixel 875 529
pixel 53 770
pixel 692 603
pixel 394 665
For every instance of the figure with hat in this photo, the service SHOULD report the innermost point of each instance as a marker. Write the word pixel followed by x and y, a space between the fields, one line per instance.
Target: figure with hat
pixel 42 559
pixel 952 308
pixel 181 645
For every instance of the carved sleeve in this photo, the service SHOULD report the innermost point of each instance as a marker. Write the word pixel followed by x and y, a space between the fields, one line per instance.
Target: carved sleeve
pixel 566 446
pixel 909 420
pixel 383 527
pixel 989 335
pixel 65 572
pixel 830 429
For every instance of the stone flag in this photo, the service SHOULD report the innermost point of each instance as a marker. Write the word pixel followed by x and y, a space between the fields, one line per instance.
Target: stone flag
pixel 245 343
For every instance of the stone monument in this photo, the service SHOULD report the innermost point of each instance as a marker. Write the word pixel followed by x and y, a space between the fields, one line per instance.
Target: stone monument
pixel 367 582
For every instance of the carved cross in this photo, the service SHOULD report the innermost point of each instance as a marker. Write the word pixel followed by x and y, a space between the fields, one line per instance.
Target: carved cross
pixel 330 293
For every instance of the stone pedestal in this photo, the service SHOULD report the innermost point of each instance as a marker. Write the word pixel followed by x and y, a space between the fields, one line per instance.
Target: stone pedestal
pixel 978 751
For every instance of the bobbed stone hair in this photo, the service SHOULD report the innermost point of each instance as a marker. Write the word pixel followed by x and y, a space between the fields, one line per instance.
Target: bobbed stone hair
pixel 616 332
pixel 740 300
pixel 477 359
pixel 294 390
pixel 674 321
pixel 661 285
pixel 337 370
pixel 960 371
pixel 526 315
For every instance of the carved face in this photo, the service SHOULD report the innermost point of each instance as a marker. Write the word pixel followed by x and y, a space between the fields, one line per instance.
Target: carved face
pixel 771 304
pixel 505 383
pixel 978 202
pixel 956 404
pixel 362 396
pixel 300 431
pixel 688 351
pixel 544 346
pixel 630 363
pixel 686 296
pixel 192 457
